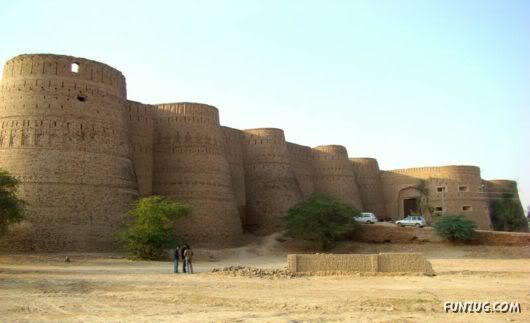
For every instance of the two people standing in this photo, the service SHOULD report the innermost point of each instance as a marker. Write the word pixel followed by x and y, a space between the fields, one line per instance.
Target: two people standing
pixel 185 254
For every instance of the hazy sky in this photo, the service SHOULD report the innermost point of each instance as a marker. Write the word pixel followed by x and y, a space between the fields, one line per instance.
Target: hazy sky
pixel 411 83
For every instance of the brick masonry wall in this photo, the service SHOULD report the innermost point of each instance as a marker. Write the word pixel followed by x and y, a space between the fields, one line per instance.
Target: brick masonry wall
pixel 393 233
pixel 334 174
pixel 234 155
pixel 464 191
pixel 384 262
pixel 190 166
pixel 83 153
pixel 63 134
pixel 301 160
pixel 368 178
pixel 141 128
pixel 272 187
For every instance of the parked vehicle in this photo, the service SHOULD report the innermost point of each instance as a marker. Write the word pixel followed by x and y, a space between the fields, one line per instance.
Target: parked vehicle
pixel 366 217
pixel 412 220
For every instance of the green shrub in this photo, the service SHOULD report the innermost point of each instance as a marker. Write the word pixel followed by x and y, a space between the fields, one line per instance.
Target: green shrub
pixel 151 230
pixel 507 213
pixel 321 218
pixel 12 209
pixel 455 227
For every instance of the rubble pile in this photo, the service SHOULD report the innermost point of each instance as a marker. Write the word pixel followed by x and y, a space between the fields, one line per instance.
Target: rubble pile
pixel 243 271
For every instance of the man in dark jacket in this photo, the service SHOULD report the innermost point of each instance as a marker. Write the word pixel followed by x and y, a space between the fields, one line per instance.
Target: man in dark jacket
pixel 176 257
pixel 182 249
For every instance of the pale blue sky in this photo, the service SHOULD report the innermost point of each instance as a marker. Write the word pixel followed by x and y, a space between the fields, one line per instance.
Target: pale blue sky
pixel 411 83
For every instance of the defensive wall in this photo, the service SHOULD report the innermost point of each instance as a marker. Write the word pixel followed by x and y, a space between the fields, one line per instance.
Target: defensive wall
pixel 368 178
pixel 334 174
pixel 83 153
pixel 372 263
pixel 270 181
pixel 65 137
pixel 191 166
pixel 380 233
pixel 452 189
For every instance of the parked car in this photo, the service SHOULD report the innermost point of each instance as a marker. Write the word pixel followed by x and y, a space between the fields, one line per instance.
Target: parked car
pixel 412 220
pixel 366 217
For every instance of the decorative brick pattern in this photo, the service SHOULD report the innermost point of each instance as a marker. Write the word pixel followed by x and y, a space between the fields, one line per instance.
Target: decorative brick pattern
pixel 83 153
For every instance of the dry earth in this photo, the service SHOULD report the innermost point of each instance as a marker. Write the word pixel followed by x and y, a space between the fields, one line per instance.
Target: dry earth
pixel 102 287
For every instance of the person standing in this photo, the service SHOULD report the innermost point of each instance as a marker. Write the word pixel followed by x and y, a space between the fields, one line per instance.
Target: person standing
pixel 182 251
pixel 176 257
pixel 188 256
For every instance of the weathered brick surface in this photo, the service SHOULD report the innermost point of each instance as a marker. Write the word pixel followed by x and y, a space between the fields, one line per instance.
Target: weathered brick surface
pixel 83 153
pixel 384 262
pixel 334 174
pixel 191 166
pixel 393 233
pixel 463 187
pixel 65 136
pixel 271 184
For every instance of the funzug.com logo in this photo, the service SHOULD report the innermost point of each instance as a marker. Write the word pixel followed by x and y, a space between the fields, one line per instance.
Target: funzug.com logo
pixel 482 307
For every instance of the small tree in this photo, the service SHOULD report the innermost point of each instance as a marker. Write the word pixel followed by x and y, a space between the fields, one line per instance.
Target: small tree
pixel 12 209
pixel 321 218
pixel 455 227
pixel 151 230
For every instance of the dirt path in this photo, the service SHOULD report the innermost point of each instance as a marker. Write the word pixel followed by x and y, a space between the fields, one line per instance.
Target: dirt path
pixel 99 288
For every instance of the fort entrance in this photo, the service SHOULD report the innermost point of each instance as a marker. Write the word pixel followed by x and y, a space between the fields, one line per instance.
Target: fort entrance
pixel 410 205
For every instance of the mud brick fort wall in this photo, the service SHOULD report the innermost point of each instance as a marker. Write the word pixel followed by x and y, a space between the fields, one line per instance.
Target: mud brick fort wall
pixel 83 153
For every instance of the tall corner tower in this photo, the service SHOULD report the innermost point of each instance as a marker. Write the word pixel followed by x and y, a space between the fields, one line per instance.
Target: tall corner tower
pixel 63 134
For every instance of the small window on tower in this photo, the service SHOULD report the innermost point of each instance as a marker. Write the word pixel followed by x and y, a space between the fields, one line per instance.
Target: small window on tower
pixel 466 208
pixel 441 189
pixel 463 188
pixel 74 67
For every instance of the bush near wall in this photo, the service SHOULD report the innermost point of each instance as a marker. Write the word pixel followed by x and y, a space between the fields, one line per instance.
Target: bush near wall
pixel 151 230
pixel 507 213
pixel 455 227
pixel 321 218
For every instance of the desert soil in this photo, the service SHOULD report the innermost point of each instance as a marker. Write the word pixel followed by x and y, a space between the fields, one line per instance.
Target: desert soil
pixel 107 288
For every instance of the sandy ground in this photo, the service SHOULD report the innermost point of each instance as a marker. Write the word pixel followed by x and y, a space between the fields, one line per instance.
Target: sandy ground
pixel 106 288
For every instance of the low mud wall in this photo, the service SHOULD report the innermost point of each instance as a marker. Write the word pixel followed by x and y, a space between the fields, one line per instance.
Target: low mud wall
pixel 383 232
pixel 383 262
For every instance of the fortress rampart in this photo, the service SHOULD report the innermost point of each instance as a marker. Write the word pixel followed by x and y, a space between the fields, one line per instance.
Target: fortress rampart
pixel 142 130
pixel 334 174
pixel 452 189
pixel 64 135
pixel 234 155
pixel 191 167
pixel 368 178
pixel 83 153
pixel 270 181
pixel 301 161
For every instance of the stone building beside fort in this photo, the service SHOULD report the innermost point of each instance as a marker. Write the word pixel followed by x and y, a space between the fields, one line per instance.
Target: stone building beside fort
pixel 83 153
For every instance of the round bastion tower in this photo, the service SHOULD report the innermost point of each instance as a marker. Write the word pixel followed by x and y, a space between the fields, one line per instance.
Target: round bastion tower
pixel 334 174
pixel 271 184
pixel 63 134
pixel 190 166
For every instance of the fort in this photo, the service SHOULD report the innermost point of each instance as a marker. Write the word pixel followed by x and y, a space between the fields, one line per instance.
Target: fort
pixel 83 153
